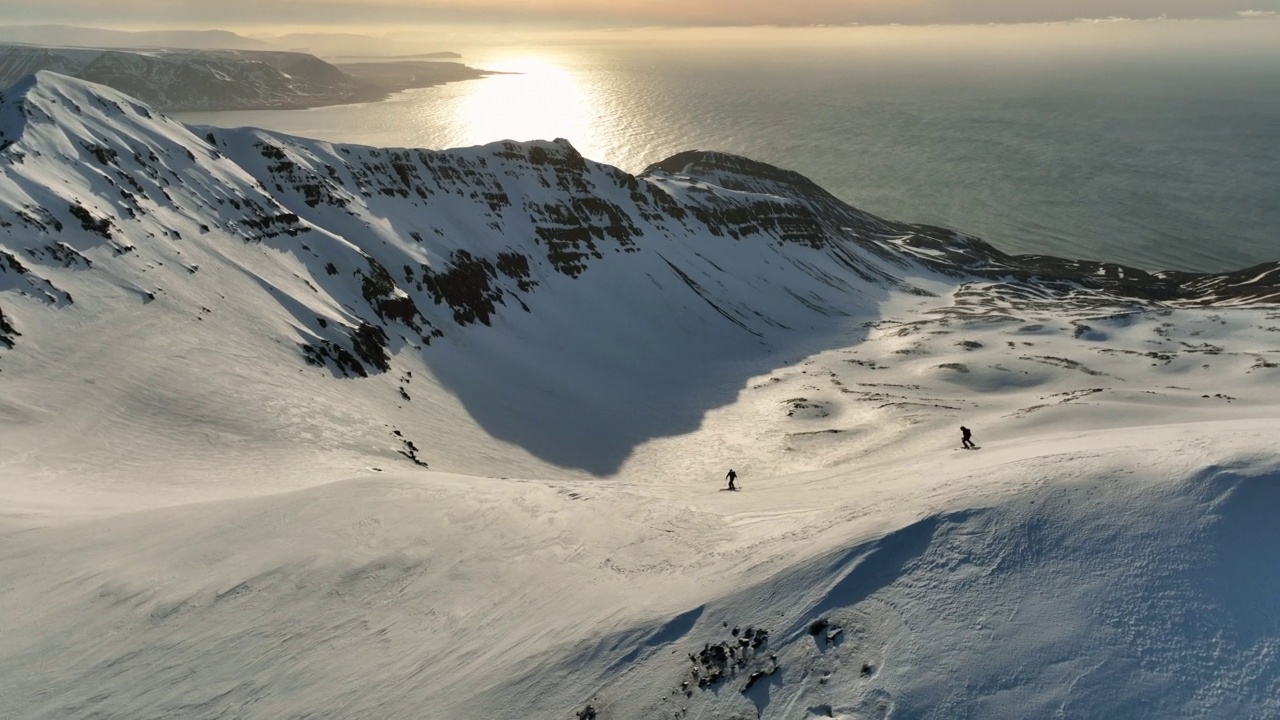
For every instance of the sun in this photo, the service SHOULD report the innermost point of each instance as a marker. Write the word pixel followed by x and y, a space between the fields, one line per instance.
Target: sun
pixel 534 99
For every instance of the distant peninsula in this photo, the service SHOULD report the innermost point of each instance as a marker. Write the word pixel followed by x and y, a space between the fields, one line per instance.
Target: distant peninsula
pixel 220 80
pixel 446 55
pixel 400 75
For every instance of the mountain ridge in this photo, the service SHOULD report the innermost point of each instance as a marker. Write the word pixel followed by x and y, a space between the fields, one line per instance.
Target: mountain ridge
pixel 722 195
pixel 476 257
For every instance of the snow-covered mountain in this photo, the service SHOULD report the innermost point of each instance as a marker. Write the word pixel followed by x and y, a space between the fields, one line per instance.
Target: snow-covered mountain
pixel 192 80
pixel 294 428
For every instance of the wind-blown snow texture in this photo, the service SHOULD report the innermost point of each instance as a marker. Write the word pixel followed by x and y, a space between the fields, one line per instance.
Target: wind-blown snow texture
pixel 299 429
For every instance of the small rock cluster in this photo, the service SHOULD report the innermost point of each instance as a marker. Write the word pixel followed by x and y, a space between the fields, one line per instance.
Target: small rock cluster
pixel 828 632
pixel 715 664
pixel 410 450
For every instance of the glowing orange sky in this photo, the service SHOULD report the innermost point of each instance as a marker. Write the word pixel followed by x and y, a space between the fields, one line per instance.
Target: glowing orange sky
pixel 176 13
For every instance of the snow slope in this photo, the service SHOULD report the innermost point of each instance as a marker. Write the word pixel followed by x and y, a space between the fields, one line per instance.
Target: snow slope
pixel 227 357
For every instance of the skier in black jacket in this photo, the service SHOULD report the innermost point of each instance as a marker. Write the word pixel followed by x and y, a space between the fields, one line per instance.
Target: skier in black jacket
pixel 964 438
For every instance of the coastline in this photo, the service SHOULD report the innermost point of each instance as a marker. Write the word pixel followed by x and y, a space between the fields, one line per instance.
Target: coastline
pixel 381 83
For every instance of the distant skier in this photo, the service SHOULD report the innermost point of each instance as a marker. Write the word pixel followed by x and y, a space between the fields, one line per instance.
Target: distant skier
pixel 965 434
pixel 732 476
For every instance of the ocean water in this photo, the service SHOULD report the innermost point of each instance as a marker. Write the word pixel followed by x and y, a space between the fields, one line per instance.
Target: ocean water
pixel 1159 155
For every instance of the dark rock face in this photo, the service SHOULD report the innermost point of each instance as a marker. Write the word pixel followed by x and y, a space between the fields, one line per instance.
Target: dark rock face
pixel 14 275
pixel 370 343
pixel 269 226
pixel 61 254
pixel 466 288
pixel 571 231
pixel 368 353
pixel 325 352
pixel 88 221
pixel 7 331
pixel 379 290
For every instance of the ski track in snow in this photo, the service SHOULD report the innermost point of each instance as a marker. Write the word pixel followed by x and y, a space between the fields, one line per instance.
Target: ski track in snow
pixel 195 523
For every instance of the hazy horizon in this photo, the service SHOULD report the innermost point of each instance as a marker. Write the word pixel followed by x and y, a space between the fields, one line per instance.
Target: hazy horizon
pixel 342 15
pixel 1134 37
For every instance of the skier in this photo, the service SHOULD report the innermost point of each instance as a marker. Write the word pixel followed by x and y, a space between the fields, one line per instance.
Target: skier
pixel 731 477
pixel 964 438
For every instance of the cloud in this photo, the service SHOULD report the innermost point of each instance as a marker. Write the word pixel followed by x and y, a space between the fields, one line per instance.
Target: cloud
pixel 1258 14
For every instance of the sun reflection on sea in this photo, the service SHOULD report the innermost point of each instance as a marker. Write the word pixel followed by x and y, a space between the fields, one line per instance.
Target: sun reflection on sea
pixel 537 100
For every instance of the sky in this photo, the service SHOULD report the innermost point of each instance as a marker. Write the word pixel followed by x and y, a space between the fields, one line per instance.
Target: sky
pixel 127 14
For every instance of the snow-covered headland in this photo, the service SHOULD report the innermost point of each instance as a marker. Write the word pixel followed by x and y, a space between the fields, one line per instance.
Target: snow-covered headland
pixel 294 429
pixel 212 80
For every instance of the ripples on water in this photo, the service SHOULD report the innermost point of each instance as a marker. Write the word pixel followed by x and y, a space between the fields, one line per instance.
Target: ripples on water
pixel 1165 162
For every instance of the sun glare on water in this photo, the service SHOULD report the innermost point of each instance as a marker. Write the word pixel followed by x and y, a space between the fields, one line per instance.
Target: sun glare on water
pixel 536 99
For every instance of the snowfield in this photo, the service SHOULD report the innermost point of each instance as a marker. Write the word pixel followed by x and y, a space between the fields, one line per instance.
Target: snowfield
pixel 297 430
